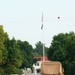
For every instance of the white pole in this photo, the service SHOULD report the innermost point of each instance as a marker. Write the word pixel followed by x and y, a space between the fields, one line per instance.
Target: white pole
pixel 43 45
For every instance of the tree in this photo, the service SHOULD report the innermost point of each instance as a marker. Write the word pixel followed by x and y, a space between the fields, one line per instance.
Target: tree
pixel 13 54
pixel 14 60
pixel 38 50
pixel 63 49
pixel 3 51
pixel 26 51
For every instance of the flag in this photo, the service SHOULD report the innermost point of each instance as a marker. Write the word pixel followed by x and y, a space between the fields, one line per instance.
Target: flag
pixel 42 26
pixel 42 17
pixel 42 22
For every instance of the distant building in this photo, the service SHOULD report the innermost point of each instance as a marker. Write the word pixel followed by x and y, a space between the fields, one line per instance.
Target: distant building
pixel 37 66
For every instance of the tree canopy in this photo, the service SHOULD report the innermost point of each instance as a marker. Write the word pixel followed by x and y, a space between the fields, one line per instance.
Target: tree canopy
pixel 14 54
pixel 38 50
pixel 27 53
pixel 63 49
pixel 3 50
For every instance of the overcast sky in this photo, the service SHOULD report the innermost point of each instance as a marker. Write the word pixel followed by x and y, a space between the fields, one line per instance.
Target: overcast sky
pixel 22 19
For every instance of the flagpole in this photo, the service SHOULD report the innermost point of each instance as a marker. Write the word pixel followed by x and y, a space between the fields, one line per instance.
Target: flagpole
pixel 43 38
pixel 43 45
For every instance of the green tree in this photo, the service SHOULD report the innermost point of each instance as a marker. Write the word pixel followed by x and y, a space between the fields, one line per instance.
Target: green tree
pixel 14 60
pixel 3 50
pixel 38 50
pixel 63 49
pixel 26 51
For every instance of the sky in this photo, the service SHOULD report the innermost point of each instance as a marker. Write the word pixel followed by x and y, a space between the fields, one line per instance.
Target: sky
pixel 22 19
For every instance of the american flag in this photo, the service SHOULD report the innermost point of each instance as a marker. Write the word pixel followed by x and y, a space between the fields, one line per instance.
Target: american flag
pixel 42 22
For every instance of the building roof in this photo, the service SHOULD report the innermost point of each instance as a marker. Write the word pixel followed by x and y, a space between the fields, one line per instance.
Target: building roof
pixel 41 58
